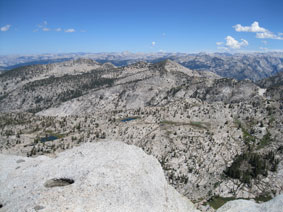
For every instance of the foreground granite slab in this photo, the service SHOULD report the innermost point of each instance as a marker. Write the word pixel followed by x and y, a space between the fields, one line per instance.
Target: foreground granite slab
pixel 105 176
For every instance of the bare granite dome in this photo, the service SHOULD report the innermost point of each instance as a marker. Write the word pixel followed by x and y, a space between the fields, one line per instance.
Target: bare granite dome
pixel 105 176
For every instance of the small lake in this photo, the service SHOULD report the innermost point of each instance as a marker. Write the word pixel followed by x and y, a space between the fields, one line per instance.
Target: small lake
pixel 49 138
pixel 128 119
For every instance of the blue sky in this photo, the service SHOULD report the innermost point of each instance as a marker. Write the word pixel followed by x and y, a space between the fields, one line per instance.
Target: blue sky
pixel 60 26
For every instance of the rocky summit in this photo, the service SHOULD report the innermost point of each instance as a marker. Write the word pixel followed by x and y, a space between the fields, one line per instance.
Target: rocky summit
pixel 105 176
pixel 217 139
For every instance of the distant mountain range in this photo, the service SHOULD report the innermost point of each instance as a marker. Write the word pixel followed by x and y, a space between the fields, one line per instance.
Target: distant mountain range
pixel 253 66
pixel 38 87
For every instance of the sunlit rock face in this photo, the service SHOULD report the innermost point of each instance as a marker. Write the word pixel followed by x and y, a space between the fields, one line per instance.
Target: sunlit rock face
pixel 105 176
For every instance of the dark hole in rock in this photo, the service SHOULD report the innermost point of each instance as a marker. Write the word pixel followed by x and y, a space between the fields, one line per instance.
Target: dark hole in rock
pixel 38 208
pixel 58 182
pixel 1 206
pixel 20 161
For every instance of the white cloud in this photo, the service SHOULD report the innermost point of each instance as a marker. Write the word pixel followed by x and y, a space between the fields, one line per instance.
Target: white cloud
pixel 264 42
pixel 234 44
pixel 163 34
pixel 45 29
pixel 261 32
pixel 153 43
pixel 70 30
pixel 5 28
pixel 253 28
pixel 268 35
pixel 219 43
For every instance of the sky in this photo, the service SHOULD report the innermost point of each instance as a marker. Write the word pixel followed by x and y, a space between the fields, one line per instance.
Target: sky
pixel 188 26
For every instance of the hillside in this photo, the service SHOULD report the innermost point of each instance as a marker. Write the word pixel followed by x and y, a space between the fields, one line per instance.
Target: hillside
pixel 213 136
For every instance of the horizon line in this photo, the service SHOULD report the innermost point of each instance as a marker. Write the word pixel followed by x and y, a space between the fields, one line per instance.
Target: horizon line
pixel 146 53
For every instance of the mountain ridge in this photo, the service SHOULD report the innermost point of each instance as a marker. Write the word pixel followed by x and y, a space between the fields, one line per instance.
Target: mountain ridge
pixel 197 125
pixel 253 66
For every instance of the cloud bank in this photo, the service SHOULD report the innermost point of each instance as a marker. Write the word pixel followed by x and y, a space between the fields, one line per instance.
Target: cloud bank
pixel 261 32
pixel 268 35
pixel 253 28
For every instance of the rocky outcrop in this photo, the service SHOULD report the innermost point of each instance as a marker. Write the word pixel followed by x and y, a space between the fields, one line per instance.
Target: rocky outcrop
pixel 274 205
pixel 105 176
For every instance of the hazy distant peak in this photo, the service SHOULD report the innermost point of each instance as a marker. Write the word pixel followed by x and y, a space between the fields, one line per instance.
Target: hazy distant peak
pixel 108 65
pixel 172 66
pixel 85 61
pixel 140 64
pixel 166 62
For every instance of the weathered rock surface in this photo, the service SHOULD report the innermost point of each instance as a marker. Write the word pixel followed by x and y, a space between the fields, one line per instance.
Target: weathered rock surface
pixel 274 205
pixel 105 176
